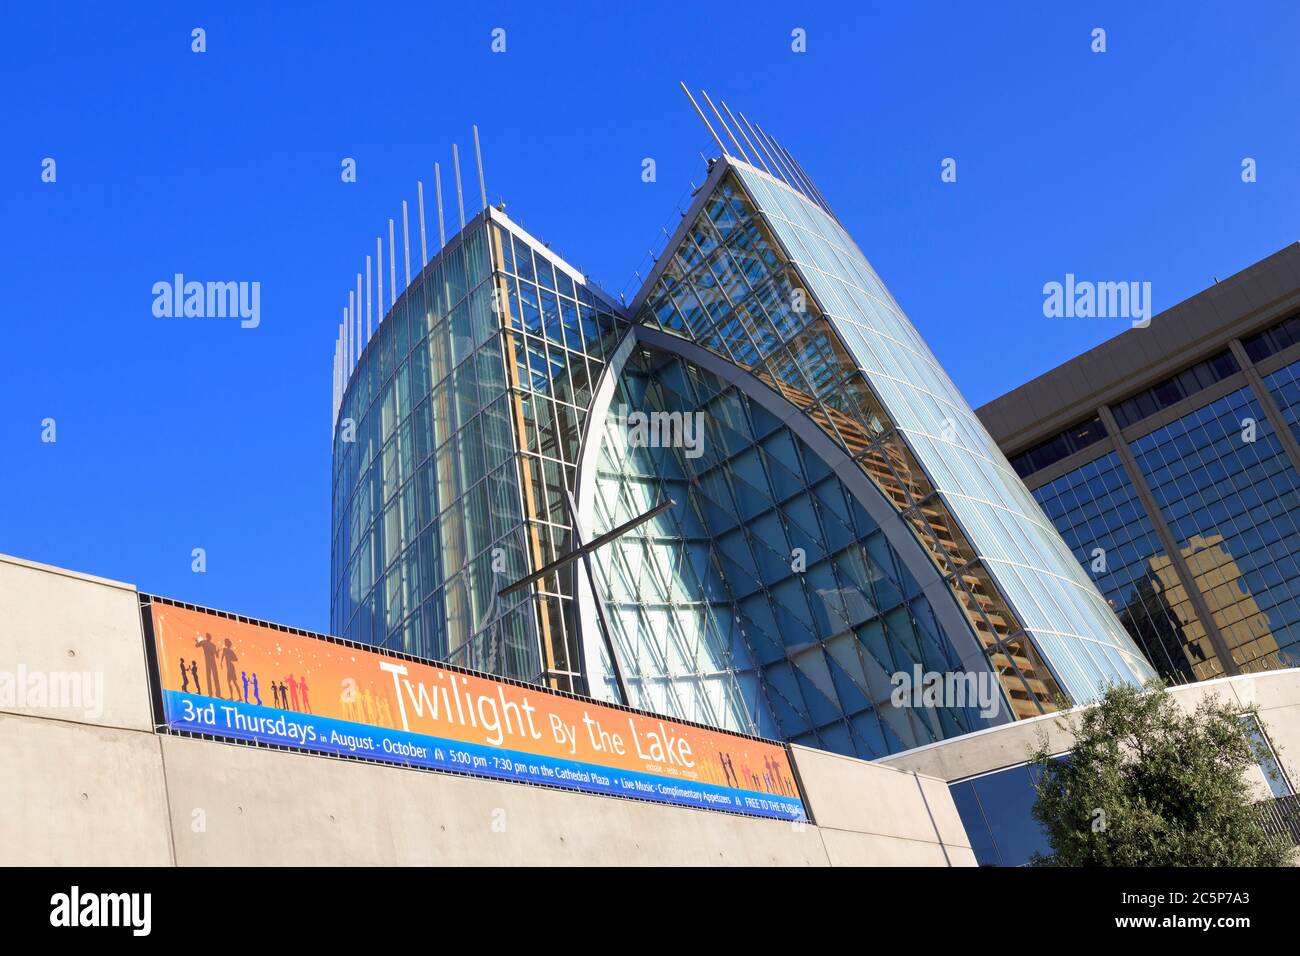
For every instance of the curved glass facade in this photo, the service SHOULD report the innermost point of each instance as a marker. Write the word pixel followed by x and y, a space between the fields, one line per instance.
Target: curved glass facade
pixel 462 411
pixel 766 278
pixel 789 592
pixel 767 600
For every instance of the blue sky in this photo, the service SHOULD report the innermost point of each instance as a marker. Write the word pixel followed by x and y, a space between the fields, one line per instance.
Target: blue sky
pixel 174 434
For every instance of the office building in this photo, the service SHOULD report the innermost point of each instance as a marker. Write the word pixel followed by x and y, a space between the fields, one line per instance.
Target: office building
pixel 1167 458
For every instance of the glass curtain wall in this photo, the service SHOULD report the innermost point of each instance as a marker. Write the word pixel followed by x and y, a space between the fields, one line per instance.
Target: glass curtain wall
pixel 767 279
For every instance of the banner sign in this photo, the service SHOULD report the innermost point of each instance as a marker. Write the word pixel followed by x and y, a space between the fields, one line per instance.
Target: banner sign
pixel 236 679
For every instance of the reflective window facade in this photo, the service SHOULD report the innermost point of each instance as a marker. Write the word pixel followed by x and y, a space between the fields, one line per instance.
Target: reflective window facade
pixel 1097 511
pixel 996 810
pixel 1232 501
pixel 1284 386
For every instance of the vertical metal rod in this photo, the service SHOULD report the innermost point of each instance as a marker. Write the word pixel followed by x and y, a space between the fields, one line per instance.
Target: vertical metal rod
pixel 774 169
pixel 743 134
pixel 424 248
pixel 813 192
pixel 406 243
pixel 758 151
pixel 368 325
pixel 478 158
pixel 360 344
pixel 812 185
pixel 437 187
pixel 379 281
pixel 351 325
pixel 707 124
pixel 723 123
pixel 338 390
pixel 392 266
pixel 788 174
pixel 460 199
pixel 808 188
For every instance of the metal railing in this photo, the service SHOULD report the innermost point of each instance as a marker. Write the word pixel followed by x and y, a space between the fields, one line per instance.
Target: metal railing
pixel 1280 818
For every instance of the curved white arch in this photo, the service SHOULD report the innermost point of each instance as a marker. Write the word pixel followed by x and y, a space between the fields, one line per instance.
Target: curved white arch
pixel 897 532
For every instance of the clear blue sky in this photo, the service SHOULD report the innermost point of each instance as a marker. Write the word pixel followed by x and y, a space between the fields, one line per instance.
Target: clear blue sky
pixel 175 434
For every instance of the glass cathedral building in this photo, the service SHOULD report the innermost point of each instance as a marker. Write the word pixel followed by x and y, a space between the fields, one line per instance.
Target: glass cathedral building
pixel 839 515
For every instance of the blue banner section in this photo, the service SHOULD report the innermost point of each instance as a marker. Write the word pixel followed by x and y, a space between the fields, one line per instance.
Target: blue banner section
pixel 226 718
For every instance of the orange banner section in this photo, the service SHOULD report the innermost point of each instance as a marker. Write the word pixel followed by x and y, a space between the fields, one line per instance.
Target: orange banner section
pixel 243 678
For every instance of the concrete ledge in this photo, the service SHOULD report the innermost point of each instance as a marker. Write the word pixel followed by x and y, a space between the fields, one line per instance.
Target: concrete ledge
pixel 870 849
pixel 79 632
pixel 1276 694
pixel 78 795
pixel 870 798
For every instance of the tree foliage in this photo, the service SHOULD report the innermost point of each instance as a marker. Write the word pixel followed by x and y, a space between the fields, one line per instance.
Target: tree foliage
pixel 1151 784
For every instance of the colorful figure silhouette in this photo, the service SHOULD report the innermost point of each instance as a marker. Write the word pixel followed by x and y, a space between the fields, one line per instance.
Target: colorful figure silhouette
pixel 210 664
pixel 256 696
pixel 302 689
pixel 275 689
pixel 185 678
pixel 194 672
pixel 244 675
pixel 293 692
pixel 232 680
pixel 725 760
pixel 284 696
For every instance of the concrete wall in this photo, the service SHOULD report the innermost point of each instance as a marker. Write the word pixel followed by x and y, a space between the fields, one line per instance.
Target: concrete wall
pixel 94 785
pixel 1276 695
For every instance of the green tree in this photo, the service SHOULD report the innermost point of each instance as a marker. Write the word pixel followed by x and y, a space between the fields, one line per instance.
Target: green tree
pixel 1149 784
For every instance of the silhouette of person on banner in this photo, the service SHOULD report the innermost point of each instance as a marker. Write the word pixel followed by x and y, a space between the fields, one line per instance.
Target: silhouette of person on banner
pixel 293 692
pixel 244 675
pixel 194 672
pixel 725 760
pixel 256 694
pixel 232 679
pixel 185 678
pixel 302 689
pixel 209 664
